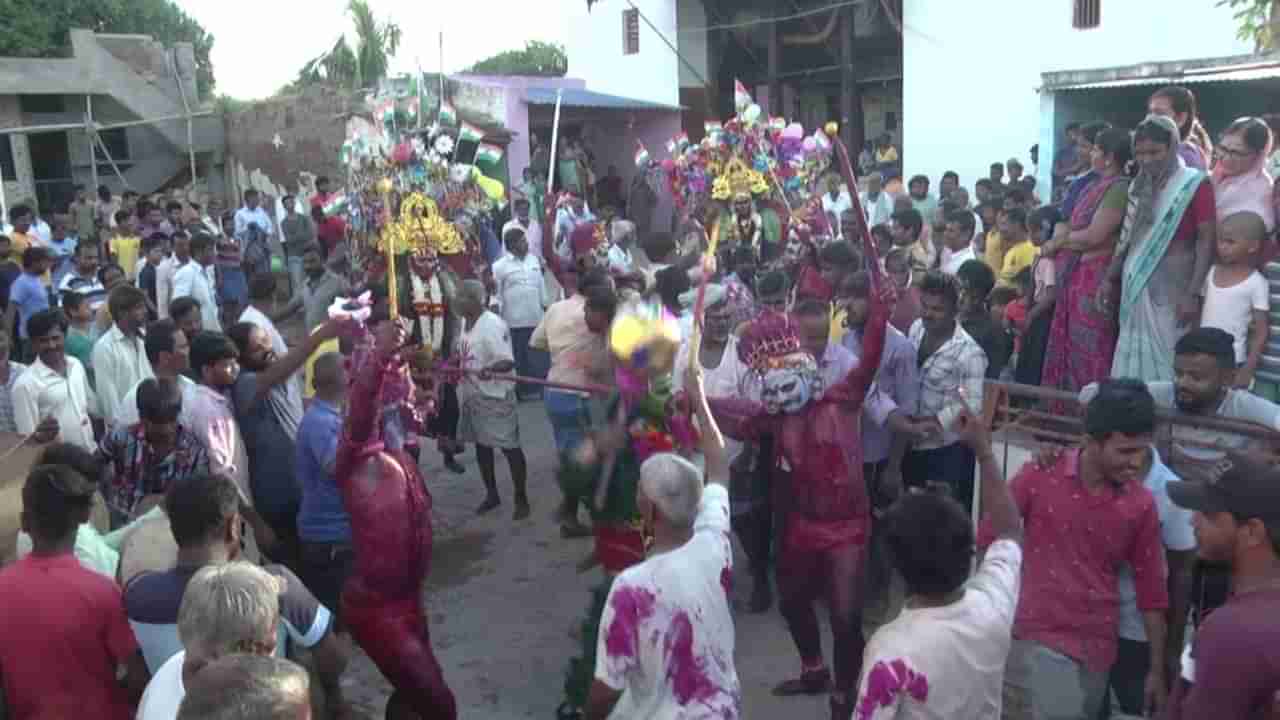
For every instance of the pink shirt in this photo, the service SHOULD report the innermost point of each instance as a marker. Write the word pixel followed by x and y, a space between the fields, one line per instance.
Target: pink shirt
pixel 1075 544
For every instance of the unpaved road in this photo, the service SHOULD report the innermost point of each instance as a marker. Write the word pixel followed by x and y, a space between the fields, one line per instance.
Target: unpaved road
pixel 502 597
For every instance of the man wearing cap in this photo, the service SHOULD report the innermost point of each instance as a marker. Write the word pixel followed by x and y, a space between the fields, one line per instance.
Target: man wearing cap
pixel 1232 669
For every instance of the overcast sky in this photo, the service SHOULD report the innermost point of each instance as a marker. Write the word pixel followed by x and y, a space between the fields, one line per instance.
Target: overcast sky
pixel 259 45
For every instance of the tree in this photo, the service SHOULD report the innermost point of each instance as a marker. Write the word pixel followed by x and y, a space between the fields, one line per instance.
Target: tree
pixel 1259 21
pixel 537 58
pixel 359 67
pixel 41 28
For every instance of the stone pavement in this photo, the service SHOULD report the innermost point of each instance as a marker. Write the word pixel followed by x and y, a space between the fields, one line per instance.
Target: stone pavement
pixel 502 597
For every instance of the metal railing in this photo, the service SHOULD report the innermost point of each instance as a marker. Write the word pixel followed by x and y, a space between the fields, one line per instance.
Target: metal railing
pixel 1025 416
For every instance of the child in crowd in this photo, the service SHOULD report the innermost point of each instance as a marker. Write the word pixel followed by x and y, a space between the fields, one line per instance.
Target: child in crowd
pixel 80 331
pixel 884 239
pixel 1039 285
pixel 156 248
pixel 1021 251
pixel 1236 296
pixel 1006 304
pixel 125 243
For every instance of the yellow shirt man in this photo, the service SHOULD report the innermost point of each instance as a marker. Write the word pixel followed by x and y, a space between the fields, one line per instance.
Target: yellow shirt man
pixel 125 248
pixel 1018 258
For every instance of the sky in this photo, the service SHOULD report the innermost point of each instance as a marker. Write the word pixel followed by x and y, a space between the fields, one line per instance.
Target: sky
pixel 259 45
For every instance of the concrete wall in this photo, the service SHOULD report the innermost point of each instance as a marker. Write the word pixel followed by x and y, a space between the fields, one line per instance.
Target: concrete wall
pixel 972 70
pixel 20 188
pixel 595 51
pixel 311 128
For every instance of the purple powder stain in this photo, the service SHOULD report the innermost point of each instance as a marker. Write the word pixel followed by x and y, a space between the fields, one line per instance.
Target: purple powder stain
pixel 886 682
pixel 631 606
pixel 726 580
pixel 688 675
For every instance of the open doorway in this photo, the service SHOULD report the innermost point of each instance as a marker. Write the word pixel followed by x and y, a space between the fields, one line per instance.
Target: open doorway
pixel 51 168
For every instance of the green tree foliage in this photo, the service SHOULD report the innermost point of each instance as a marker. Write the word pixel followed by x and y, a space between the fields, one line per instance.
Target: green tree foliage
pixel 41 28
pixel 361 66
pixel 1259 22
pixel 537 58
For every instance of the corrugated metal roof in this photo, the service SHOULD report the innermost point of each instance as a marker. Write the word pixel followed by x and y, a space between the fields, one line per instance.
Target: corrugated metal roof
pixel 1239 74
pixel 572 97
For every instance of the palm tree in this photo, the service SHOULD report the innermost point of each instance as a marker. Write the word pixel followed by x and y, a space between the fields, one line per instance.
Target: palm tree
pixel 363 66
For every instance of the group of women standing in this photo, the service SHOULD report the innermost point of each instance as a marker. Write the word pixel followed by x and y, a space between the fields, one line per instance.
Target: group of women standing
pixel 1133 250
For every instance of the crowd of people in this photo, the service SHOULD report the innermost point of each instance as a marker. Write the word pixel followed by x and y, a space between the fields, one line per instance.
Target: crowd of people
pixel 835 394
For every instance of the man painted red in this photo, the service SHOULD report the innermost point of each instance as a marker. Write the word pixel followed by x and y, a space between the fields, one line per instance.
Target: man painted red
pixel 818 488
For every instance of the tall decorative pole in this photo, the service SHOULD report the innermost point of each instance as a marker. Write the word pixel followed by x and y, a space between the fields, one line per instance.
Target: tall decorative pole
pixel 385 186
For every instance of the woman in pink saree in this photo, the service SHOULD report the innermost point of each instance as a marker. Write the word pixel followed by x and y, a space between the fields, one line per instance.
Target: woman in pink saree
pixel 1082 337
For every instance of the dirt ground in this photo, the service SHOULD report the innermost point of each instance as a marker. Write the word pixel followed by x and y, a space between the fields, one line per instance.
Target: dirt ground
pixel 503 596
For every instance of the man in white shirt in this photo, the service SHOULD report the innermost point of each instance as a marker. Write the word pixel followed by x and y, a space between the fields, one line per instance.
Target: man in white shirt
pixel 191 280
pixel 944 655
pixel 488 414
pixel 252 214
pixel 168 351
pixel 54 390
pixel 120 357
pixel 232 608
pixel 876 203
pixel 523 299
pixel 168 268
pixel 666 642
pixel 957 241
pixel 834 202
pixel 531 227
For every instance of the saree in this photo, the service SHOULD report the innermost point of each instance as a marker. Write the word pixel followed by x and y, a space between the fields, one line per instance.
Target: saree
pixel 1153 279
pixel 1081 337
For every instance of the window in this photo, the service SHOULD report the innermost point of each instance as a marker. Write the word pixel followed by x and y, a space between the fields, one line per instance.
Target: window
pixel 630 31
pixel 1087 14
pixel 117 143
pixel 7 169
pixel 41 104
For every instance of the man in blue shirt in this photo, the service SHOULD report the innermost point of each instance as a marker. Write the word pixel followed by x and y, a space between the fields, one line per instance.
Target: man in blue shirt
pixel 28 295
pixel 324 527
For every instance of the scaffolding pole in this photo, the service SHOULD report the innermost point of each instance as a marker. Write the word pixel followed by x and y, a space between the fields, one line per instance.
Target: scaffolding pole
pixel 186 107
pixel 89 134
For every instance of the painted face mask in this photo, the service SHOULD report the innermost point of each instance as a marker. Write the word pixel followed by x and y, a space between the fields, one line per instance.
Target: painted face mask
pixel 787 390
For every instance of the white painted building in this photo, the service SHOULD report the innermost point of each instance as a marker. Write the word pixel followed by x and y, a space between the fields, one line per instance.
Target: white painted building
pixel 984 81
pixel 616 52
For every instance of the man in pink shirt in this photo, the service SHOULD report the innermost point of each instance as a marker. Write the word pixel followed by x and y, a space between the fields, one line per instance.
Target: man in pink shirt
pixel 1085 516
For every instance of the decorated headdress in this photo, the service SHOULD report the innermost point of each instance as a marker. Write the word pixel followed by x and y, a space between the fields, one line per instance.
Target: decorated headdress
pixel 772 342
pixel 738 182
pixel 420 227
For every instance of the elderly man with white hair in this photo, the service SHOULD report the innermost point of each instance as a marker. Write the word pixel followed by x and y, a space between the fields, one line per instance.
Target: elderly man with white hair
pixel 488 415
pixel 249 687
pixel 232 608
pixel 666 639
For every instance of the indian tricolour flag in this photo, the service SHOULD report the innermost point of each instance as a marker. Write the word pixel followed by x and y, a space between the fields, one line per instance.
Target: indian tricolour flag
pixel 488 154
pixel 642 156
pixel 448 115
pixel 470 132
pixel 741 98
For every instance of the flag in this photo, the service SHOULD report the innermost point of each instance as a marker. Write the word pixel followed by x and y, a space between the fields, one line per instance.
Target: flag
pixel 642 156
pixel 470 132
pixel 488 154
pixel 448 116
pixel 741 98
